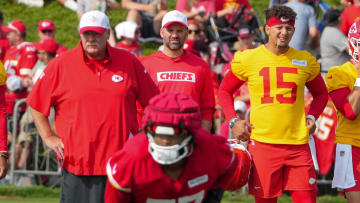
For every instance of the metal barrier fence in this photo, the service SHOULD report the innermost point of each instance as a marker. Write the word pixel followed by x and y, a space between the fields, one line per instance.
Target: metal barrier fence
pixel 44 163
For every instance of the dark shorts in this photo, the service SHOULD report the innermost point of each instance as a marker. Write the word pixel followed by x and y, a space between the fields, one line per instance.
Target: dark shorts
pixel 147 29
pixel 78 188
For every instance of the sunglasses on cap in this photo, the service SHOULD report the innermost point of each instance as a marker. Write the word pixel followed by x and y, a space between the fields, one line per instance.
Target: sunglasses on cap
pixel 195 31
pixel 46 31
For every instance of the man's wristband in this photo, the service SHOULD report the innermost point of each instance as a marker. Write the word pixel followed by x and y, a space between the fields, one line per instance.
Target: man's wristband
pixel 311 117
pixel 357 82
pixel 232 122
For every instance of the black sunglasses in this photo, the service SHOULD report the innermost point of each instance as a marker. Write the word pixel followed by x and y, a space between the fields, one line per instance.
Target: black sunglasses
pixel 195 31
pixel 46 31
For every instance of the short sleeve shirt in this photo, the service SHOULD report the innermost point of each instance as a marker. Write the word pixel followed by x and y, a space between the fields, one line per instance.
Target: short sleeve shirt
pixel 276 86
pixel 305 19
pixel 339 77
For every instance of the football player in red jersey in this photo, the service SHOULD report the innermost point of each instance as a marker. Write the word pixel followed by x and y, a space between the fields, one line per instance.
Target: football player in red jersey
pixel 173 159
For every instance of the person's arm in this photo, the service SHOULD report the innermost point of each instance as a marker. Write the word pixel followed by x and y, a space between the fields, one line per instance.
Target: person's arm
pixel 228 86
pixel 223 12
pixel 130 5
pixel 113 195
pixel 318 90
pixel 3 133
pixel 207 99
pixel 43 127
pixel 113 4
pixel 354 96
pixel 341 102
pixel 347 101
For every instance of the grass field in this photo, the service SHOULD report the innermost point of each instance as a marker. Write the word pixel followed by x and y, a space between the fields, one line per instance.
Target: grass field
pixel 10 194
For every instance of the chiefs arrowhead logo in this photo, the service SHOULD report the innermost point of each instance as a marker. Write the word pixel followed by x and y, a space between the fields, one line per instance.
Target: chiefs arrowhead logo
pixel 284 19
pixel 117 78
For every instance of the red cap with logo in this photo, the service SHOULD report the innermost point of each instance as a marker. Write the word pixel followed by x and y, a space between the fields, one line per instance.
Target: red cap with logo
pixel 15 25
pixel 48 45
pixel 46 25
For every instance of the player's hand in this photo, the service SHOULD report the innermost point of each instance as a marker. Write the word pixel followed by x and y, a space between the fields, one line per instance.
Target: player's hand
pixel 3 167
pixel 241 130
pixel 55 144
pixel 311 125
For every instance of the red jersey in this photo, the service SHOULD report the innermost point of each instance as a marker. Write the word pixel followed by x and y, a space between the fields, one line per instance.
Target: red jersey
pixel 4 46
pixel 325 139
pixel 3 121
pixel 134 48
pixel 20 59
pixel 348 17
pixel 136 177
pixel 95 104
pixel 188 74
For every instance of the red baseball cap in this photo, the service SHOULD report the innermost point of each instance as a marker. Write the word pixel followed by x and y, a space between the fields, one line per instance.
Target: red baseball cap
pixel 48 45
pixel 15 25
pixel 46 25
pixel 244 32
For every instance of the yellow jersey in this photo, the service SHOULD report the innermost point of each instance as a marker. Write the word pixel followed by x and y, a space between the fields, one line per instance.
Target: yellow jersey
pixel 276 86
pixel 2 75
pixel 338 77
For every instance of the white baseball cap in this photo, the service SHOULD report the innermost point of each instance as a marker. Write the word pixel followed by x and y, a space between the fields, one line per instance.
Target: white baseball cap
pixel 126 29
pixel 174 17
pixel 94 21
pixel 14 83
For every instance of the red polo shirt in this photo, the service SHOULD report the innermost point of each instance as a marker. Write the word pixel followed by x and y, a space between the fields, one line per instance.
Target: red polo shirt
pixel 188 74
pixel 95 104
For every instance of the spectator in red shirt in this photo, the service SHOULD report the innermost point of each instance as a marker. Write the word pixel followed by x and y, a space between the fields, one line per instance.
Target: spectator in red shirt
pixel 94 88
pixel 350 15
pixel 175 69
pixel 129 33
pixel 196 9
pixel 3 124
pixel 46 30
pixel 4 42
pixel 21 57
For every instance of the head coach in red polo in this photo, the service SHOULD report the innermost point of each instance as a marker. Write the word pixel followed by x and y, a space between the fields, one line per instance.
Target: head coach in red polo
pixel 93 89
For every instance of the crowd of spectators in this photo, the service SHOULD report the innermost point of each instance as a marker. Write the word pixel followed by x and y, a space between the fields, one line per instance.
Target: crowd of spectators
pixel 25 62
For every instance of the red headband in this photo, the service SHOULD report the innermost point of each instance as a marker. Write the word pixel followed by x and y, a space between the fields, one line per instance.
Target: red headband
pixel 276 21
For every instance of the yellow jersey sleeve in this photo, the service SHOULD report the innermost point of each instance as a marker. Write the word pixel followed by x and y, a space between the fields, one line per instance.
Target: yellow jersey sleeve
pixel 340 77
pixel 2 74
pixel 238 68
pixel 313 66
